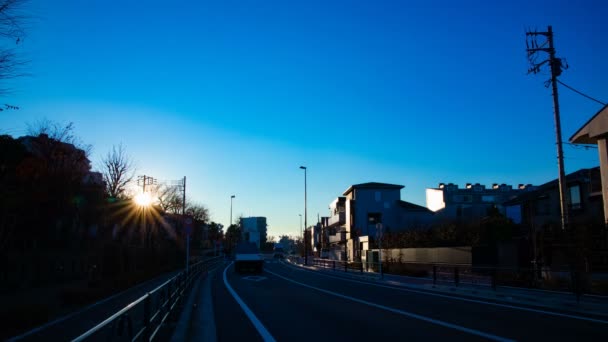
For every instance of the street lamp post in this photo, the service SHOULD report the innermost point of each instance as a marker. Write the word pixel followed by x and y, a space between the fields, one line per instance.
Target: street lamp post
pixel 379 237
pixel 231 197
pixel 301 228
pixel 305 216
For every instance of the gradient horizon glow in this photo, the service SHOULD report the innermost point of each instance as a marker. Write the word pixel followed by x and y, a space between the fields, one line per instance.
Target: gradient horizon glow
pixel 236 95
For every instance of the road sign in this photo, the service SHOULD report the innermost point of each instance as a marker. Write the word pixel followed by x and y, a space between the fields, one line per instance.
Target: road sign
pixel 188 225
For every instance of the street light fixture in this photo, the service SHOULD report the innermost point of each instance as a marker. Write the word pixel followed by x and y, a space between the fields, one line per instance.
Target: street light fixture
pixel 231 197
pixel 305 221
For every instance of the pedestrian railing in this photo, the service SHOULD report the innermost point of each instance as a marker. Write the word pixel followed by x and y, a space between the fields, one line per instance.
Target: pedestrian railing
pixel 486 275
pixel 143 318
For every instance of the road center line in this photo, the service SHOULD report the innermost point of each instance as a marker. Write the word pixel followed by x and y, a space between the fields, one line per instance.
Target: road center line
pixel 397 311
pixel 477 301
pixel 254 320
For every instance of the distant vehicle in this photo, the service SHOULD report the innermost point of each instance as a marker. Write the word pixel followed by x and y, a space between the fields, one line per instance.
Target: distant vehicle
pixel 279 252
pixel 248 258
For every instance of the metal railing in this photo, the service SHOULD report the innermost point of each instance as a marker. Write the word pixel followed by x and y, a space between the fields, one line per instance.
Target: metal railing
pixel 143 318
pixel 554 279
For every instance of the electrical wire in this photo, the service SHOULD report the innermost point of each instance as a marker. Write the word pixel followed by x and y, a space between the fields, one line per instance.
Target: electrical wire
pixel 581 147
pixel 580 93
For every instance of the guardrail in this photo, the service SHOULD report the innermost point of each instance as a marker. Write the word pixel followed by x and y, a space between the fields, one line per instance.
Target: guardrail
pixel 143 318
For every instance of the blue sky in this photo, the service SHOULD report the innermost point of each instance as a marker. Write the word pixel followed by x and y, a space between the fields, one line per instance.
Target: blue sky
pixel 236 95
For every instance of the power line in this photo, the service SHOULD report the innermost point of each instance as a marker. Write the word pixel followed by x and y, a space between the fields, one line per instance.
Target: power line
pixel 580 93
pixel 580 147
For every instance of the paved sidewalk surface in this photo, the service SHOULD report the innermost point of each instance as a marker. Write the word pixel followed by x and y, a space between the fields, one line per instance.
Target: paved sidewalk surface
pixel 588 305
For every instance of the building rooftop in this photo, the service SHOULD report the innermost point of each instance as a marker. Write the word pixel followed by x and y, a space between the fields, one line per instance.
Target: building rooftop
pixel 413 207
pixel 594 129
pixel 541 190
pixel 372 185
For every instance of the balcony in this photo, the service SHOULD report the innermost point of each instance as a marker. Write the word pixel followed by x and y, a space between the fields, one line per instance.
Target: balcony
pixel 339 237
pixel 338 219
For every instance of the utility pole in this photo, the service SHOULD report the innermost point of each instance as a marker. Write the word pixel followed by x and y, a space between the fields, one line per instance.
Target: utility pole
pixel 143 181
pixel 184 217
pixel 556 66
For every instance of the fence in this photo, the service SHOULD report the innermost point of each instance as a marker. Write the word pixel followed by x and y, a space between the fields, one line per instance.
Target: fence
pixel 564 279
pixel 143 318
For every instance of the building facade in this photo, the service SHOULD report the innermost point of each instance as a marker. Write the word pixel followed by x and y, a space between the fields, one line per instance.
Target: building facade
pixel 541 207
pixel 364 208
pixel 450 203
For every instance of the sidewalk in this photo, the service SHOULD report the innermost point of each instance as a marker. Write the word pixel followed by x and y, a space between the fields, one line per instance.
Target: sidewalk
pixel 197 320
pixel 563 302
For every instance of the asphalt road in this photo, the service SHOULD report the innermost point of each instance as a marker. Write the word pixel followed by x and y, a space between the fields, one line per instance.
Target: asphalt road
pixel 290 304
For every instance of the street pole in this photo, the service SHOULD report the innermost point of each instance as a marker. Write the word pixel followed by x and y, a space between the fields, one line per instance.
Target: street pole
pixel 555 70
pixel 379 235
pixel 231 197
pixel 187 235
pixel 305 217
pixel 145 180
pixel 301 234
pixel 143 213
pixel 555 65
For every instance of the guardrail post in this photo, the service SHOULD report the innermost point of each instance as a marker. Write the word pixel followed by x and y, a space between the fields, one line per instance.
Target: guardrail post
pixel 493 279
pixel 456 276
pixel 361 266
pixel 334 265
pixel 434 274
pixel 123 320
pixel 345 266
pixel 147 304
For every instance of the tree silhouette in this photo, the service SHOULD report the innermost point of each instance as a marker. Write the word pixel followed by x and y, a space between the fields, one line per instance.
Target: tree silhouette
pixel 118 171
pixel 12 33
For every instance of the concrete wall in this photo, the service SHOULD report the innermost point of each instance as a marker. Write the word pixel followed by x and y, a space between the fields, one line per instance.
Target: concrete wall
pixel 450 255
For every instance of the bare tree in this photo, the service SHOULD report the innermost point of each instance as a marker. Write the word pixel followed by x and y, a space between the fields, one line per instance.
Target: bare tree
pixel 60 132
pixel 169 199
pixel 12 30
pixel 198 212
pixel 61 148
pixel 118 171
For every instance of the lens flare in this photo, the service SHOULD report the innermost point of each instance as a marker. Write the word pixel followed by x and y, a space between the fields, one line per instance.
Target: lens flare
pixel 143 199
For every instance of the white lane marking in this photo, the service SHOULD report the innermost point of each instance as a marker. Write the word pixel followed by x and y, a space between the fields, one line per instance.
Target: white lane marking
pixel 551 313
pixel 400 312
pixel 266 336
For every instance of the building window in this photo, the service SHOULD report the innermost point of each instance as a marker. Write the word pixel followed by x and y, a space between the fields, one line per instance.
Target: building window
pixel 378 195
pixel 488 199
pixel 374 218
pixel 542 206
pixel 462 198
pixel 575 197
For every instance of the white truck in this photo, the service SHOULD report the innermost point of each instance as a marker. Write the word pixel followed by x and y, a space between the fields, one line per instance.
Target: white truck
pixel 247 258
